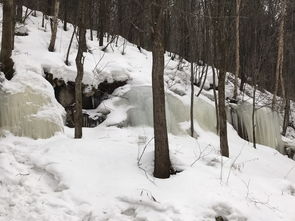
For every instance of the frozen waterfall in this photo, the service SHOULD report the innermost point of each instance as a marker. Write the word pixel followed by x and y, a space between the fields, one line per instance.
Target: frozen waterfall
pixel 141 112
pixel 28 107
pixel 267 124
pixel 177 111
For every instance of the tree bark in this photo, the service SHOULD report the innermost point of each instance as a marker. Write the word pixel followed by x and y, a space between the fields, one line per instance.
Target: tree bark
pixel 222 115
pixel 162 159
pixel 7 38
pixel 70 45
pixel 54 26
pixel 280 58
pixel 253 115
pixel 286 116
pixel 78 116
pixel 192 99
pixel 65 15
pixel 222 42
pixel 215 100
pixel 19 11
pixel 237 71
pixel 101 21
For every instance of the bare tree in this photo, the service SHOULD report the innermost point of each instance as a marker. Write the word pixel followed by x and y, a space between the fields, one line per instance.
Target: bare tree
pixel 78 117
pixel 220 10
pixel 162 159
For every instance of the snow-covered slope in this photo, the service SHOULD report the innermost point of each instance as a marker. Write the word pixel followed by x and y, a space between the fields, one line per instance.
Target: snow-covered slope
pixel 107 175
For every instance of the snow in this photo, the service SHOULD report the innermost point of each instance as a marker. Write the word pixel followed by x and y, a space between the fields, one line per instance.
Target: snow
pixel 65 179
pixel 107 175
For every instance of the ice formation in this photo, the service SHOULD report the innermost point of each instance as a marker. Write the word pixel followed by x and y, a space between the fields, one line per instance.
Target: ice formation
pixel 28 107
pixel 240 116
pixel 267 124
pixel 141 113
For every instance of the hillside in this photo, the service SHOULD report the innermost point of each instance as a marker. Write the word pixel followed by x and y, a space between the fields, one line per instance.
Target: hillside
pixel 107 175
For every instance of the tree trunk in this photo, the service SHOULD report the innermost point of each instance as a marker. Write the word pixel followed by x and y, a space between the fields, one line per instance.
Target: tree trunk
pixel 190 27
pixel 222 114
pixel 70 45
pixel 253 115
pixel 101 21
pixel 237 72
pixel 7 38
pixel 43 21
pixel 215 100
pixel 286 116
pixel 65 15
pixel 78 117
pixel 91 20
pixel 54 26
pixel 19 11
pixel 192 99
pixel 280 58
pixel 162 159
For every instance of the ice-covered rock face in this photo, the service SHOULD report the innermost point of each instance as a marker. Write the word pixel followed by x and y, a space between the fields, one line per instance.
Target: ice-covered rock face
pixel 29 109
pixel 141 112
pixel 267 124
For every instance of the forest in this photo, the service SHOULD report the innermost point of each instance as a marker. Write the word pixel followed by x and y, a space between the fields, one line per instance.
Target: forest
pixel 147 110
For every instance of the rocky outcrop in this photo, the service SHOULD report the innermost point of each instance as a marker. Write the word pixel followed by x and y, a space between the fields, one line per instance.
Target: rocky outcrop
pixel 92 98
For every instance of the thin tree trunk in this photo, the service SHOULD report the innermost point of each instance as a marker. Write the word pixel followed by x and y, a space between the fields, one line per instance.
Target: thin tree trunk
pixel 211 47
pixel 253 115
pixel 192 99
pixel 19 11
pixel 204 81
pixel 91 20
pixel 101 21
pixel 54 26
pixel 222 115
pixel 65 15
pixel 280 58
pixel 162 159
pixel 215 99
pixel 43 21
pixel 78 116
pixel 70 45
pixel 190 26
pixel 286 116
pixel 237 72
pixel 7 38
pixel 14 22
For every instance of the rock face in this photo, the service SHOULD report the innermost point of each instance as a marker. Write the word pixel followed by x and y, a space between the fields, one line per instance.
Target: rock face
pixel 92 98
pixel 29 110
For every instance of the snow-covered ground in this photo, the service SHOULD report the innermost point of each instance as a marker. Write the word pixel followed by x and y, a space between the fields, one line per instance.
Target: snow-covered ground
pixel 107 175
